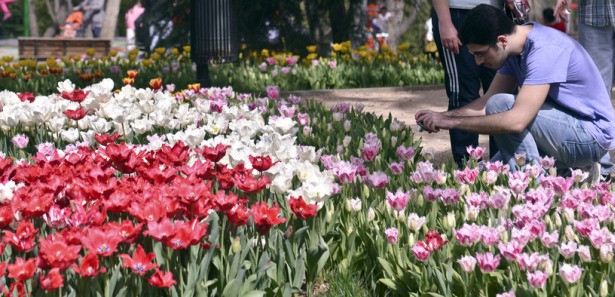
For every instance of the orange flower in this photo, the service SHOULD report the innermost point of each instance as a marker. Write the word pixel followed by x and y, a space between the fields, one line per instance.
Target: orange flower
pixel 195 87
pixel 128 81
pixel 155 83
pixel 132 73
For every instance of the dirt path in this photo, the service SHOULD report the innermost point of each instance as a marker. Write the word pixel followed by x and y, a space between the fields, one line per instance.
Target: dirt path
pixel 402 103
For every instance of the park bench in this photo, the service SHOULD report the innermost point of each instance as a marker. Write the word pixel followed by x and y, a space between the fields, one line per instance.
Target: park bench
pixel 41 48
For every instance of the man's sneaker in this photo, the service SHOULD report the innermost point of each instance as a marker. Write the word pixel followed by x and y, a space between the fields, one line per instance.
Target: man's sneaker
pixel 605 178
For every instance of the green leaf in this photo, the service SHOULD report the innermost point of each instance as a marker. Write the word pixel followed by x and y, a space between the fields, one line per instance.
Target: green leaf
pixel 254 293
pixel 389 283
pixel 386 266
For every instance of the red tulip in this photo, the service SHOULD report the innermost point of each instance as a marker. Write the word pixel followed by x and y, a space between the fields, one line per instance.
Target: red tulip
pixel 52 281
pixel 75 96
pixel 105 139
pixel 265 217
pixel 302 209
pixel 140 262
pixel 23 239
pixel 89 266
pixel 22 270
pixel 76 114
pixel 261 163
pixel 26 96
pixel 162 279
pixel 216 153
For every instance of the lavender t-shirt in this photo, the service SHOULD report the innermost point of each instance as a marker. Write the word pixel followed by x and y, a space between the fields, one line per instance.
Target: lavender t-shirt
pixel 552 57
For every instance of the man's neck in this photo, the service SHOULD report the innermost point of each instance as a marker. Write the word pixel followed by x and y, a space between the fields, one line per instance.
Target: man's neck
pixel 517 40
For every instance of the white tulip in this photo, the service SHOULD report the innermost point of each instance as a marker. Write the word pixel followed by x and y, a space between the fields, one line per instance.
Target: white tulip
pixel 66 86
pixel 71 135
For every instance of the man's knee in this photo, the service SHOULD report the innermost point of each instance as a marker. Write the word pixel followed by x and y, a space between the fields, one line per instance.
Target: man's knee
pixel 499 103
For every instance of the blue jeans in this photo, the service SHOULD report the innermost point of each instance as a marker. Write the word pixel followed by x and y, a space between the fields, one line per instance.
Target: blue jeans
pixel 599 42
pixel 553 133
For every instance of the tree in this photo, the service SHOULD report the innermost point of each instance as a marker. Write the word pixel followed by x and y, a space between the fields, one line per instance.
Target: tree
pixel 58 10
pixel 112 10
pixel 399 23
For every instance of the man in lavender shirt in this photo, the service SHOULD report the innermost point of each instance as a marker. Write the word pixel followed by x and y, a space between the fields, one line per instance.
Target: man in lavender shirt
pixel 562 108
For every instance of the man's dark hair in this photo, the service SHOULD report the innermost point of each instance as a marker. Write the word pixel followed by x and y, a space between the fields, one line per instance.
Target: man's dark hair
pixel 484 24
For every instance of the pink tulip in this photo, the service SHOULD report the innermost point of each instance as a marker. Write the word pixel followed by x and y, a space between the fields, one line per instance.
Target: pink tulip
pixel 487 262
pixel 568 249
pixel 537 279
pixel 467 263
pixel 570 273
pixel 475 153
pixel 420 251
pixel 391 234
pixel 398 200
pixel 20 140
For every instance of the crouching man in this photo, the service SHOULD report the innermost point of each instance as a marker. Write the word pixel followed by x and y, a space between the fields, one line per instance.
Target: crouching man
pixel 561 107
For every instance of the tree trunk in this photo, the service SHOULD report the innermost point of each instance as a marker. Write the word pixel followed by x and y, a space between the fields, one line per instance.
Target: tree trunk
pixel 398 24
pixel 111 16
pixel 338 17
pixel 32 17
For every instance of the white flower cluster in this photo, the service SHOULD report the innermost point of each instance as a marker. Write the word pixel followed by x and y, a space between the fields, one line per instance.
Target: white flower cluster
pixel 159 116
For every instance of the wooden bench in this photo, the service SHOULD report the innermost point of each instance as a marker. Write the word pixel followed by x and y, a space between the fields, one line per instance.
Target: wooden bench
pixel 41 48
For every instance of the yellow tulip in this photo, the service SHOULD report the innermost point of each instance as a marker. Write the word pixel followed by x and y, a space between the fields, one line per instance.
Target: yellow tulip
pixel 311 48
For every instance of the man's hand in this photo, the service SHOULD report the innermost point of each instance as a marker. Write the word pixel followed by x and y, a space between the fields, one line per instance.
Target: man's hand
pixel 448 35
pixel 430 120
pixel 560 11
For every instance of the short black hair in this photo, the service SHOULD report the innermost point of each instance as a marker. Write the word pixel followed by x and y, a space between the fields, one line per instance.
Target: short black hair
pixel 547 14
pixel 483 24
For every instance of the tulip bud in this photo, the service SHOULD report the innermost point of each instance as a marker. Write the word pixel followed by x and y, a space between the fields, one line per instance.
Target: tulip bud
pixel 365 191
pixel 289 232
pixel 400 216
pixel 604 288
pixel 411 239
pixel 471 213
pixel 393 141
pixel 546 266
pixel 371 214
pixel 350 230
pixel 329 214
pixel 346 140
pixel 553 171
pixel 420 200
pixel 449 221
pixel 549 222
pixel 504 236
pixel 606 253
pixel 558 220
pixel 236 245
pixel 568 215
pixel 569 233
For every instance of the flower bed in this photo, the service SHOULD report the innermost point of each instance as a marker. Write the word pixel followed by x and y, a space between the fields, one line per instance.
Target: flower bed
pixel 344 68
pixel 143 192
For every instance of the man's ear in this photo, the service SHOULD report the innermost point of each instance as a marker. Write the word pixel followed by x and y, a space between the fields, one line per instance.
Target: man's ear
pixel 504 40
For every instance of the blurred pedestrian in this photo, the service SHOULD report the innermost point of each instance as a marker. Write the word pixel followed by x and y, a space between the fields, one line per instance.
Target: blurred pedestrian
pixel 5 9
pixel 549 20
pixel 131 16
pixel 93 16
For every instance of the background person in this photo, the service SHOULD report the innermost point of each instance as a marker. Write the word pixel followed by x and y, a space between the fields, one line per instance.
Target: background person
pixel 93 16
pixel 131 16
pixel 550 21
pixel 463 79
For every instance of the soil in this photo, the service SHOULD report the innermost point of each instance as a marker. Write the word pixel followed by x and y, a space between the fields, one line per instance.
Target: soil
pixel 402 103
